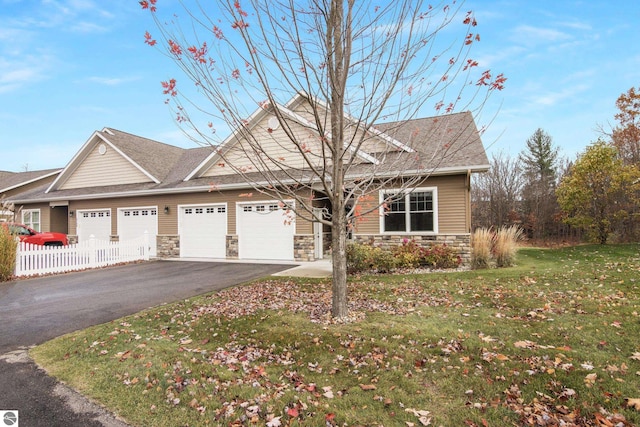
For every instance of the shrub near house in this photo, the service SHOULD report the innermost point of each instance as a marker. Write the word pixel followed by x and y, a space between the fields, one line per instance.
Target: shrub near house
pixel 8 250
pixel 364 257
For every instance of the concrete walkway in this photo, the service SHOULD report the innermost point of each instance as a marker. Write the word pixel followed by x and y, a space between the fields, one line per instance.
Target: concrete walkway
pixel 315 269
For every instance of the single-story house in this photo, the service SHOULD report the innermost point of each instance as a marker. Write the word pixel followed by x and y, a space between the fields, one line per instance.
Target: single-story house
pixel 119 185
pixel 14 183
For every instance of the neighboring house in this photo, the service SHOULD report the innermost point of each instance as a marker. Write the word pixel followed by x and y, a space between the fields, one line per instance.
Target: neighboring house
pixel 120 185
pixel 14 183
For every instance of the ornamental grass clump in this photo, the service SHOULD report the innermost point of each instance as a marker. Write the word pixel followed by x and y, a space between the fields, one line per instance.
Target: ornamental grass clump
pixel 505 245
pixel 8 250
pixel 481 243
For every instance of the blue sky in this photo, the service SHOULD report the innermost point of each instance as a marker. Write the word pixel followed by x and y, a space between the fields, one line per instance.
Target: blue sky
pixel 70 67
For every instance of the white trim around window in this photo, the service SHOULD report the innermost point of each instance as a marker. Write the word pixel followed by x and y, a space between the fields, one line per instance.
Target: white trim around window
pixel 32 218
pixel 414 211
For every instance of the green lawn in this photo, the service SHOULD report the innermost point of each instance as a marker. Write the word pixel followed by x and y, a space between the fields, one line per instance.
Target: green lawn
pixel 555 340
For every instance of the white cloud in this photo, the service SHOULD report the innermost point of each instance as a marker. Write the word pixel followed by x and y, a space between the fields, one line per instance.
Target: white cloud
pixel 112 81
pixel 576 25
pixel 87 27
pixel 65 15
pixel 16 73
pixel 530 35
pixel 499 57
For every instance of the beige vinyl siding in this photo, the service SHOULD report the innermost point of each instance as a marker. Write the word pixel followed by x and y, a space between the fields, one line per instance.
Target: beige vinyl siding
pixel 452 206
pixel 168 223
pixel 45 215
pixel 109 168
pixel 276 145
pixel 371 143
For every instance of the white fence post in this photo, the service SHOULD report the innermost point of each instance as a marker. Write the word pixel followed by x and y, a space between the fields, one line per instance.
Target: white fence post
pixel 92 251
pixel 145 242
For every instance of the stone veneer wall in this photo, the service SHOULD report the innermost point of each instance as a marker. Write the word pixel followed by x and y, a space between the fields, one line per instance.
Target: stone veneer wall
pixel 168 246
pixel 232 246
pixel 303 247
pixel 462 242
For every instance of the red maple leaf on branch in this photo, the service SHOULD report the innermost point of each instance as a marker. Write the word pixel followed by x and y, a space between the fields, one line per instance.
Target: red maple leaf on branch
pixel 149 4
pixel 148 40
pixel 170 87
pixel 175 48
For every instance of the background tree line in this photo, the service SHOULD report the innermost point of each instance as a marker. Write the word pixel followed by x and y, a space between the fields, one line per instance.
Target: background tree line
pixel 594 197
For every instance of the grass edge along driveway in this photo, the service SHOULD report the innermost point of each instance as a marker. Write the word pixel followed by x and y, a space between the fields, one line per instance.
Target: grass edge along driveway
pixel 552 340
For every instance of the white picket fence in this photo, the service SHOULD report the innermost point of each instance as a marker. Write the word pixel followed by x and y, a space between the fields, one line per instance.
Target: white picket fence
pixel 32 260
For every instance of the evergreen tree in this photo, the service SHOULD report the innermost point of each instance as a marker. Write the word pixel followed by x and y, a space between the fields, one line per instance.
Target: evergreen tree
pixel 539 205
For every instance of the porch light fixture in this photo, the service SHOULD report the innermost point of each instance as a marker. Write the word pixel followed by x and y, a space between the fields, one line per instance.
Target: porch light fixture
pixel 70 214
pixel 166 210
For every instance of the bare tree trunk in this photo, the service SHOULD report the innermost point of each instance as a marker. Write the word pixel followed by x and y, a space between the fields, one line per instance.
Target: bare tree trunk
pixel 339 303
pixel 339 48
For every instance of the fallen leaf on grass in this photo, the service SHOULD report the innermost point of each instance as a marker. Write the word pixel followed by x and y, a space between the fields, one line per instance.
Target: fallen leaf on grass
pixel 634 403
pixel 487 338
pixel 328 393
pixel 367 387
pixel 590 379
pixel 636 356
pixel 525 344
pixel 423 416
pixel 123 355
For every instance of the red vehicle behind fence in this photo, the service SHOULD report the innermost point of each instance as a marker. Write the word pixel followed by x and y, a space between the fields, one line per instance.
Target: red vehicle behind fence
pixel 29 235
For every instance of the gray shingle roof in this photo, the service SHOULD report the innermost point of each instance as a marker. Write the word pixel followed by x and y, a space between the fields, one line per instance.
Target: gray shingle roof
pixel 448 142
pixel 155 157
pixel 15 179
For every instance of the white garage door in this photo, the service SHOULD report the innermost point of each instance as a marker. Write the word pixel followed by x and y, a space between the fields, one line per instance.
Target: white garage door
pixel 265 231
pixel 133 222
pixel 203 231
pixel 94 222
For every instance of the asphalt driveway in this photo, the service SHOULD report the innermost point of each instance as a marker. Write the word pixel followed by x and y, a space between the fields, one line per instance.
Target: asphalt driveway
pixel 35 310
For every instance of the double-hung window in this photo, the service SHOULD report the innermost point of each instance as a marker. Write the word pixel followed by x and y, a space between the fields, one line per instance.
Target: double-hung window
pixel 409 211
pixel 31 218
